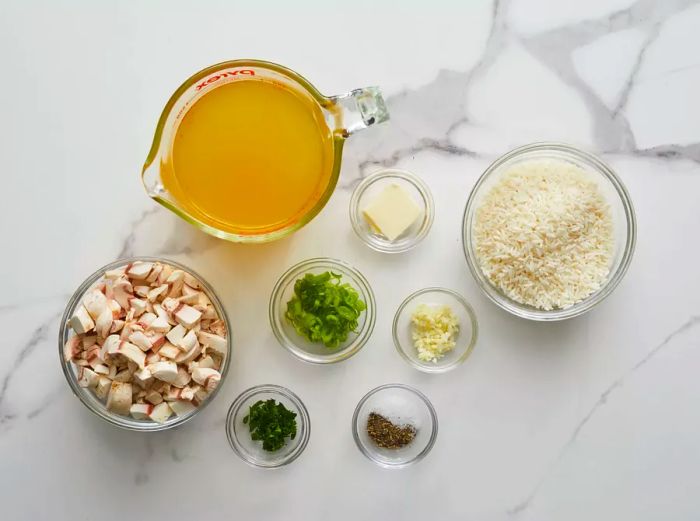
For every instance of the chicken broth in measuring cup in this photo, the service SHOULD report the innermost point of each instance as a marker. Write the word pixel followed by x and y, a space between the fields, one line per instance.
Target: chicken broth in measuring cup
pixel 250 156
pixel 249 151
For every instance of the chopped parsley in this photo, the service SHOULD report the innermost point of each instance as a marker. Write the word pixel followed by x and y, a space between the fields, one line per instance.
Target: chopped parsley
pixel 271 422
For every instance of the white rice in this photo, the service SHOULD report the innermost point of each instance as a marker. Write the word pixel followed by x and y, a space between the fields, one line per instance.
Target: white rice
pixel 543 234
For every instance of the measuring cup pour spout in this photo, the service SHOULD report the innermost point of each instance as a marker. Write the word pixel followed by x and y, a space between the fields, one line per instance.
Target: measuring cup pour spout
pixel 343 115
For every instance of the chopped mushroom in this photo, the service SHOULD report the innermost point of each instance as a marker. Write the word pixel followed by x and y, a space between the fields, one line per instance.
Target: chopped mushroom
pixel 183 377
pixel 207 362
pixel 101 369
pixel 142 291
pixel 164 371
pixel 209 378
pixel 139 270
pixel 93 356
pixel 141 411
pixel 115 274
pixel 103 323
pixel 140 340
pixel 160 324
pixel 192 354
pixel 161 412
pixel 153 326
pixel 182 407
pixel 133 353
pixel 189 341
pixel 89 341
pixel 119 399
pixel 87 377
pixel 123 291
pixel 176 334
pixel 146 320
pixel 192 282
pixel 143 377
pixel 169 351
pixel 117 326
pixel 81 322
pixel 218 327
pixel 71 348
pixel 138 305
pixel 157 292
pixel 187 316
pixel 95 303
pixel 153 397
pixel 216 342
pixel 103 386
pixel 155 272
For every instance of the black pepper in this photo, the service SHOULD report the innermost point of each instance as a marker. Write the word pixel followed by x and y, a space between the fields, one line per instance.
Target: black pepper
pixel 388 435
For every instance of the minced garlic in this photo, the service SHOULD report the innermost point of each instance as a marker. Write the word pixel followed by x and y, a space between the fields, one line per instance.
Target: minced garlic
pixel 434 331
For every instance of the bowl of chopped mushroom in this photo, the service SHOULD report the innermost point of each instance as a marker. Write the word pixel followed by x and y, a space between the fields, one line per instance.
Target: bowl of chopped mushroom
pixel 145 343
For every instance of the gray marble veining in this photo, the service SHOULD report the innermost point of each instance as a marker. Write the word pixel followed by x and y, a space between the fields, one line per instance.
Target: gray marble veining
pixel 543 418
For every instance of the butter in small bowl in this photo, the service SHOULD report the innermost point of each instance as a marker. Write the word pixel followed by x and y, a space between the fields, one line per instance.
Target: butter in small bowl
pixel 391 211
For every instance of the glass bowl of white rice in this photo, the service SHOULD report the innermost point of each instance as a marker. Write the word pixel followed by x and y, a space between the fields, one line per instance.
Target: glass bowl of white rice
pixel 548 231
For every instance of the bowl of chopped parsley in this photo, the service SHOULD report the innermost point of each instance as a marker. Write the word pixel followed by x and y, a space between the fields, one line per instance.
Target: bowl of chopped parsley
pixel 268 426
pixel 322 310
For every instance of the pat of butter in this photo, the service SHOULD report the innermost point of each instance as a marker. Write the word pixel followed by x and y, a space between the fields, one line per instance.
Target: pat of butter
pixel 392 212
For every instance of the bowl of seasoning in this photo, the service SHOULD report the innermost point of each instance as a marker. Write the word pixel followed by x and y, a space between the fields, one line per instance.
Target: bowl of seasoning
pixel 322 310
pixel 268 426
pixel 435 330
pixel 548 231
pixel 394 425
pixel 391 210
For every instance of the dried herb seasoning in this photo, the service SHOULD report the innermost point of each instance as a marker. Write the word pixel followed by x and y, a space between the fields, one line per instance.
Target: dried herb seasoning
pixel 387 434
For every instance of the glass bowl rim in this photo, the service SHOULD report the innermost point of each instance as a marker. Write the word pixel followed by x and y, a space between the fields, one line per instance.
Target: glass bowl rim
pixel 408 177
pixel 116 419
pixel 425 367
pixel 520 310
pixel 433 417
pixel 277 390
pixel 365 290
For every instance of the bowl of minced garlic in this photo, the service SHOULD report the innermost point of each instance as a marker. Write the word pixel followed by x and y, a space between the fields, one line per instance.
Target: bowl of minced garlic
pixel 435 330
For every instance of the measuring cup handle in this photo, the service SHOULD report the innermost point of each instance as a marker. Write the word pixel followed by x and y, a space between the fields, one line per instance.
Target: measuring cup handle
pixel 360 109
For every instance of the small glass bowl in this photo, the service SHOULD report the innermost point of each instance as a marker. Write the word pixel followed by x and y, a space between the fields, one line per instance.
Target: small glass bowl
pixel 250 451
pixel 401 404
pixel 299 346
pixel 465 340
pixel 624 222
pixel 370 188
pixel 89 399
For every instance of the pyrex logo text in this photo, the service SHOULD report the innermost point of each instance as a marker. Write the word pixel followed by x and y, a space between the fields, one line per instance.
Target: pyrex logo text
pixel 212 79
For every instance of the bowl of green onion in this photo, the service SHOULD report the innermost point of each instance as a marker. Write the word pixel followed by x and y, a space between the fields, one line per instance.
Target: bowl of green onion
pixel 322 310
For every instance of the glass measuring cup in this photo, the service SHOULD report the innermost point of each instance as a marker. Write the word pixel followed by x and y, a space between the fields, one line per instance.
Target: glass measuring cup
pixel 344 115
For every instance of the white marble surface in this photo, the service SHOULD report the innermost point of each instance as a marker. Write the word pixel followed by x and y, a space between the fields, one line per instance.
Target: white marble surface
pixel 594 418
